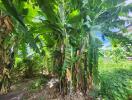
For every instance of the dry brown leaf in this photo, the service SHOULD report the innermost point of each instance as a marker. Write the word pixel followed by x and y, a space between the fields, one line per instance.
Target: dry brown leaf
pixel 68 74
pixel 8 26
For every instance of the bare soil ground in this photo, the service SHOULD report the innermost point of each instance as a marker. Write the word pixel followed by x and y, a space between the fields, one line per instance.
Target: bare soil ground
pixel 20 91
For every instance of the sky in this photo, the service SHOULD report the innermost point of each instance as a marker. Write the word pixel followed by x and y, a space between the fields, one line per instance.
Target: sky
pixel 105 41
pixel 128 1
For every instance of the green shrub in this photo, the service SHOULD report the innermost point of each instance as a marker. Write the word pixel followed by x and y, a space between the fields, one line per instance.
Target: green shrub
pixel 37 84
pixel 116 80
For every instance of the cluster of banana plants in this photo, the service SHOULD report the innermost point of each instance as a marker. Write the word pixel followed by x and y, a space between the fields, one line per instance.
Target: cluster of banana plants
pixel 65 32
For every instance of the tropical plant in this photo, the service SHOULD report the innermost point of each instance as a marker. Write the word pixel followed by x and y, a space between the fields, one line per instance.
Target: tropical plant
pixel 6 45
pixel 66 31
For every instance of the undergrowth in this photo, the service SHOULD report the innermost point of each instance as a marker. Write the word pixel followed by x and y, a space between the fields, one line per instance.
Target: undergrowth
pixel 116 80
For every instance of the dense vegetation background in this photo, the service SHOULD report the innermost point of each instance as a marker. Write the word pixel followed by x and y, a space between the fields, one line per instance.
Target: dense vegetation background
pixel 51 49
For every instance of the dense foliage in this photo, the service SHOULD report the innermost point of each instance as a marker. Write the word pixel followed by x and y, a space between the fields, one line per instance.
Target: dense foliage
pixel 60 37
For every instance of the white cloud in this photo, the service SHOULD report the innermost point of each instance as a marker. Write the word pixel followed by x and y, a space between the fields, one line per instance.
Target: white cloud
pixel 128 2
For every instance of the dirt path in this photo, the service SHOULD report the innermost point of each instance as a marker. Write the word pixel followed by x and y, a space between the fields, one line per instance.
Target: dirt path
pixel 21 91
pixel 12 96
pixel 50 91
pixel 17 91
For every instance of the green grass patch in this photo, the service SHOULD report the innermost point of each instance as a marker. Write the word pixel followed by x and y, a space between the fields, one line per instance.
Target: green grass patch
pixel 116 80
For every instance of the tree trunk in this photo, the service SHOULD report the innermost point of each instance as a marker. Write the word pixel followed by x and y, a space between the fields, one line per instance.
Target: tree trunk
pixel 85 74
pixel 77 72
pixel 5 56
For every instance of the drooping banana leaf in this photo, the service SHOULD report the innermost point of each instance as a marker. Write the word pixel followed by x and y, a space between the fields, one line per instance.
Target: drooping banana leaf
pixel 12 10
pixel 50 8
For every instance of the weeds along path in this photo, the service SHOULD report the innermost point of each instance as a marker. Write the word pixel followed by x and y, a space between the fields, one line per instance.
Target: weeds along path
pixel 116 81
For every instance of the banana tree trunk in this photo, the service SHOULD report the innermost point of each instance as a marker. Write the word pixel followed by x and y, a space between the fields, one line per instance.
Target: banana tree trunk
pixel 5 61
pixel 85 74
pixel 63 77
pixel 76 72
pixel 92 61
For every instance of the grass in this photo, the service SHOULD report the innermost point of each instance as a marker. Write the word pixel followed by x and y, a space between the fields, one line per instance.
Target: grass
pixel 116 79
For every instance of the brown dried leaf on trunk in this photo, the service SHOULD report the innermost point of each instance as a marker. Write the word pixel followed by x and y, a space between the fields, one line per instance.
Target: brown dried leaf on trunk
pixel 68 75
pixel 0 21
pixel 90 82
pixel 8 23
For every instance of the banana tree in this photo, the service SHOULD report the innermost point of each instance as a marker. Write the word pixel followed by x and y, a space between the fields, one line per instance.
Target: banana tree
pixel 6 43
pixel 68 30
pixel 10 37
